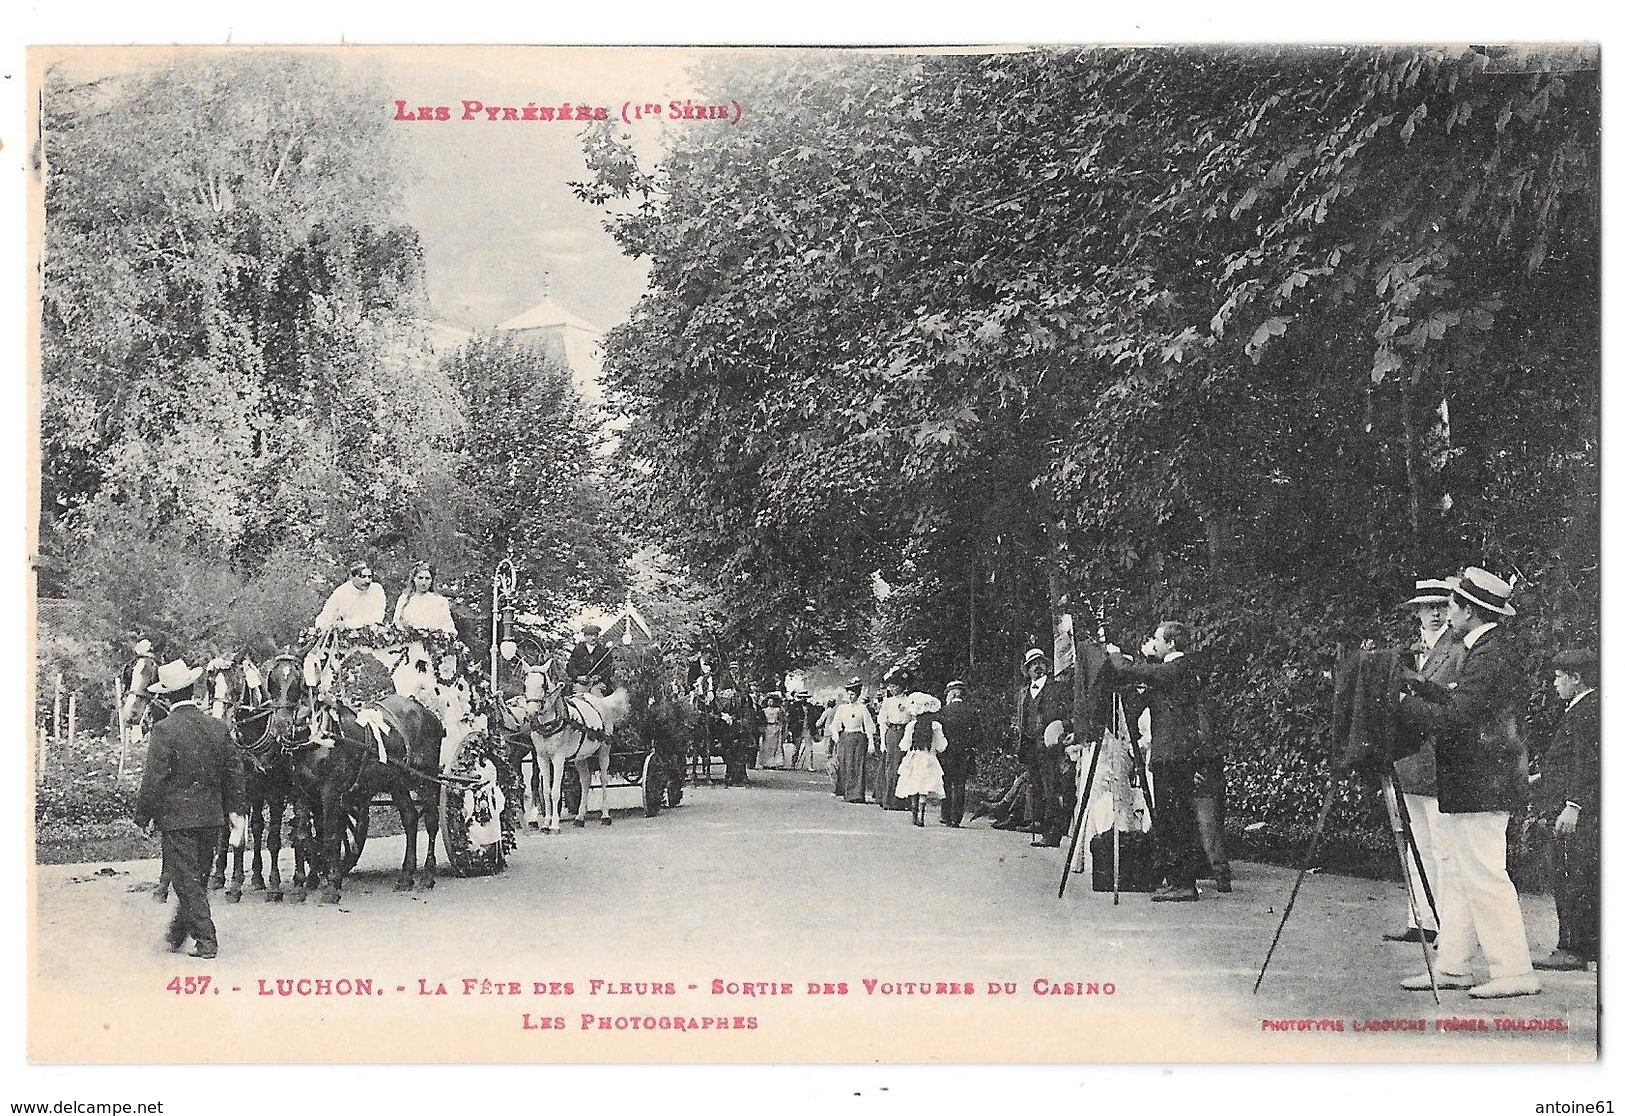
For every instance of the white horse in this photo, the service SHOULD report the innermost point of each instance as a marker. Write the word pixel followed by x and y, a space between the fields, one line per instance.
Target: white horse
pixel 570 728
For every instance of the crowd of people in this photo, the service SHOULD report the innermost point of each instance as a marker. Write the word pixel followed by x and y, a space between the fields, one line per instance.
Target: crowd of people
pixel 1458 767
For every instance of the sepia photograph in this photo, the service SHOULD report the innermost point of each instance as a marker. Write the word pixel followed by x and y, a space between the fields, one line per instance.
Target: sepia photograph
pixel 1020 554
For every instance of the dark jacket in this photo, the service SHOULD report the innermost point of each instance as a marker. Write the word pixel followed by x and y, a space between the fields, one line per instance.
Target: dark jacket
pixel 1032 717
pixel 598 665
pixel 1174 689
pixel 1570 771
pixel 1418 774
pixel 1477 726
pixel 194 775
pixel 961 725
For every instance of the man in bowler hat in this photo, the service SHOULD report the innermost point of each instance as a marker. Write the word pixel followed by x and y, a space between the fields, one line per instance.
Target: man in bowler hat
pixel 192 784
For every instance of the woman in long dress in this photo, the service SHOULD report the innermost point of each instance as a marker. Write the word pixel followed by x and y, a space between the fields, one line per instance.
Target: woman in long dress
pixel 420 611
pixel 919 776
pixel 771 754
pixel 853 728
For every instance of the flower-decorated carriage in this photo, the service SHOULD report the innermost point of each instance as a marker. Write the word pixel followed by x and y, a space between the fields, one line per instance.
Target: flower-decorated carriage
pixel 475 786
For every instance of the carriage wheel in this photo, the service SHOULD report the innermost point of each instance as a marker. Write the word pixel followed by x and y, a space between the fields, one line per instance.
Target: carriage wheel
pixel 653 790
pixel 354 837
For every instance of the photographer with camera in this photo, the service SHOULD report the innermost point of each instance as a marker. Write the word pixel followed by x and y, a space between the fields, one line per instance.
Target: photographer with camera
pixel 1174 683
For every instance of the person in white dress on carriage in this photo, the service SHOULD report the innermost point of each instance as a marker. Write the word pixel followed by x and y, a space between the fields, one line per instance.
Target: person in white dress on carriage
pixel 919 776
pixel 420 608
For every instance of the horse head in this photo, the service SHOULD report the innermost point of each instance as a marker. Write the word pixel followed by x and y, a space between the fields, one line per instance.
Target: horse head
pixel 224 686
pixel 544 695
pixel 285 689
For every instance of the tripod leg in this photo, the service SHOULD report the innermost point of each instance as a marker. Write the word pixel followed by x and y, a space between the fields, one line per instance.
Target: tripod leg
pixel 1416 852
pixel 1079 812
pixel 1400 827
pixel 1117 864
pixel 1308 862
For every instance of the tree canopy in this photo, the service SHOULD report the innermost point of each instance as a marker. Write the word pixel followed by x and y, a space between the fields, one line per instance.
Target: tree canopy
pixel 239 390
pixel 1250 336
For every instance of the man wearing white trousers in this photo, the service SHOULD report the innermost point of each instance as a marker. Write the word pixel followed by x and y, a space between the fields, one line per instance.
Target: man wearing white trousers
pixel 1477 726
pixel 1438 657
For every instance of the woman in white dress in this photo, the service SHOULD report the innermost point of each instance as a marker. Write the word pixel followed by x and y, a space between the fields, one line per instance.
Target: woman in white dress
pixel 771 752
pixel 420 611
pixel 420 608
pixel 919 776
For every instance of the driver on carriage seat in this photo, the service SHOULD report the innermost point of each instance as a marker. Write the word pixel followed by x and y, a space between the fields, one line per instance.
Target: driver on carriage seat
pixel 356 603
pixel 592 664
pixel 702 684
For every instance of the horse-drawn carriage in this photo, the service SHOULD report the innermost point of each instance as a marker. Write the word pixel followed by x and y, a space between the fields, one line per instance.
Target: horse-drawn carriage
pixel 365 719
pixel 635 760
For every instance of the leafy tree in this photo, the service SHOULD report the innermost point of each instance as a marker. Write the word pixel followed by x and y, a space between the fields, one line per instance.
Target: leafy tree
pixel 1249 336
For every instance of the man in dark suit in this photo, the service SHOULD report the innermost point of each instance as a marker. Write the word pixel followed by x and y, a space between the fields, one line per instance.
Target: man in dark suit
pixel 192 783
pixel 1477 727
pixel 1568 795
pixel 1173 683
pixel 592 663
pixel 1040 704
pixel 958 759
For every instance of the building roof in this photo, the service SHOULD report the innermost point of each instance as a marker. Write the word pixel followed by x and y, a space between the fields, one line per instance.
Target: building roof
pixel 626 619
pixel 548 314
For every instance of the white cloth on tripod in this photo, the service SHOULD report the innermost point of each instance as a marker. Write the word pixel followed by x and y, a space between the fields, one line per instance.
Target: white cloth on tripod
pixel 1114 800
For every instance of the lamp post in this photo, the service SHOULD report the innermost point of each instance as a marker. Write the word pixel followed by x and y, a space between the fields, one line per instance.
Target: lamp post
pixel 503 583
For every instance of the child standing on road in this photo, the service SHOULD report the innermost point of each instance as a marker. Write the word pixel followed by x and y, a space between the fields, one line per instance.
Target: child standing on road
pixel 919 778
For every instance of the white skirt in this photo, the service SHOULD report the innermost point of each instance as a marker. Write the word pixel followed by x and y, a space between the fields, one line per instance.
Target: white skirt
pixel 920 773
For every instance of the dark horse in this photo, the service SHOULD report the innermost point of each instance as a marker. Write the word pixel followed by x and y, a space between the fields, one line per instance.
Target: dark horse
pixel 390 746
pixel 236 693
pixel 287 730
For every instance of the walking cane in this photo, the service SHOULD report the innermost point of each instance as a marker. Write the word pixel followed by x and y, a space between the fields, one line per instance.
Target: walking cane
pixel 1401 829
pixel 1078 814
pixel 1116 864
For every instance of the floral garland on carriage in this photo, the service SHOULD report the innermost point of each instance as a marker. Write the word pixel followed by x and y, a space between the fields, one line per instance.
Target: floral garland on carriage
pixel 482 783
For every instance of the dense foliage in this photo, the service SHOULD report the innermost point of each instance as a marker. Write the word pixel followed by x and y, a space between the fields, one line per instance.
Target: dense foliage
pixel 239 394
pixel 1255 338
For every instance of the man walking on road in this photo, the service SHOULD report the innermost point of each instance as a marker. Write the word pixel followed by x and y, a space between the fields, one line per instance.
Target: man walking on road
pixel 193 782
pixel 958 759
pixel 1039 705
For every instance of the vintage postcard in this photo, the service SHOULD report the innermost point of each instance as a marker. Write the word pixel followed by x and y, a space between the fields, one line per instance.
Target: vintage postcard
pixel 786 555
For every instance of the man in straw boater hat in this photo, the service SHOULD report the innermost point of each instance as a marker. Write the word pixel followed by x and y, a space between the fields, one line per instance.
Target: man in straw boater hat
pixel 1438 655
pixel 1040 704
pixel 1568 796
pixel 1476 724
pixel 192 784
